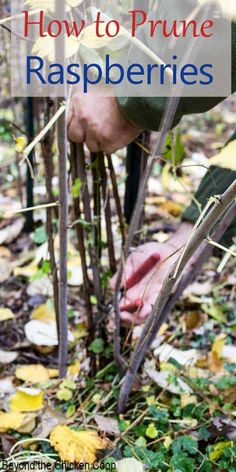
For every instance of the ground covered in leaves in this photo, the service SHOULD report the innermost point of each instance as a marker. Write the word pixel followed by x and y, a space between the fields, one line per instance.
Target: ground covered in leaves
pixel 181 416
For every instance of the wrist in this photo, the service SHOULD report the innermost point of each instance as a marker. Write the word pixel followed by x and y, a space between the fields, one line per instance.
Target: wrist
pixel 128 121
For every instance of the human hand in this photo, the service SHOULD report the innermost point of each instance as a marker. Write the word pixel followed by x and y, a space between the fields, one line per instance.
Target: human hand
pixel 98 122
pixel 139 297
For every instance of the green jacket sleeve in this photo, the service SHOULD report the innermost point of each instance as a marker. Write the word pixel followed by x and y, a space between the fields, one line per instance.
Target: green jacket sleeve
pixel 147 113
pixel 215 182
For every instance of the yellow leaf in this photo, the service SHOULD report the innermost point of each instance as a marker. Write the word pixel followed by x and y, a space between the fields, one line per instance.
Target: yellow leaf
pixel 46 47
pixel 76 446
pixel 218 450
pixel 34 373
pixel 167 442
pixel 172 208
pixel 53 373
pixel 44 313
pixel 21 143
pixel 226 158
pixel 215 356
pixel 74 369
pixel 6 314
pixel 10 421
pixel 26 271
pixel 28 424
pixel 187 399
pixel 4 252
pixel 26 399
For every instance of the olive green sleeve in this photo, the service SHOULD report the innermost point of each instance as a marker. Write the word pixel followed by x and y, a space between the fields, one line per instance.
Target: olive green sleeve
pixel 147 112
pixel 215 182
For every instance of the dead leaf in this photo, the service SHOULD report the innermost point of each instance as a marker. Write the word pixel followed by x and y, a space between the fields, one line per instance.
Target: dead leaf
pixel 172 208
pixel 10 421
pixel 6 314
pixel 215 356
pixel 5 270
pixel 42 286
pixel 7 357
pixel 130 464
pixel 107 425
pixel 186 358
pixel 26 399
pixel 43 334
pixel 229 353
pixel 191 320
pixel 6 386
pixel 76 446
pixel 34 373
pixel 44 313
pixel 48 420
pixel 187 399
pixel 12 231
pixel 163 380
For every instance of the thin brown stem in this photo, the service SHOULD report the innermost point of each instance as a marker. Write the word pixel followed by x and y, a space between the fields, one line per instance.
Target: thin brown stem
pixel 107 211
pixel 153 322
pixel 117 199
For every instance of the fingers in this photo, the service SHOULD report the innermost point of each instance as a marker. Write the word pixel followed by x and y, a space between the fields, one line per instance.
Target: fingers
pixel 134 319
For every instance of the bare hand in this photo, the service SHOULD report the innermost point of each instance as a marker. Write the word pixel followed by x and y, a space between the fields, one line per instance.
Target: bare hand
pixel 138 300
pixel 98 122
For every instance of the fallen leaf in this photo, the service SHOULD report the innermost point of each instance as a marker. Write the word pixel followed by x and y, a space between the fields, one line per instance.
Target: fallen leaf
pixel 28 424
pixel 10 421
pixel 43 334
pixel 48 420
pixel 131 465
pixel 4 252
pixel 6 386
pixel 26 271
pixel 6 314
pixel 107 425
pixel 229 353
pixel 187 399
pixel 74 369
pixel 76 446
pixel 215 356
pixel 163 380
pixel 172 208
pixel 12 231
pixel 34 373
pixel 166 352
pixel 7 357
pixel 44 313
pixel 75 274
pixel 42 286
pixel 26 399
pixel 191 320
pixel 5 270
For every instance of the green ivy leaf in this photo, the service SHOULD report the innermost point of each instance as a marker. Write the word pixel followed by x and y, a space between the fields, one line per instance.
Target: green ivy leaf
pixel 97 346
pixel 40 236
